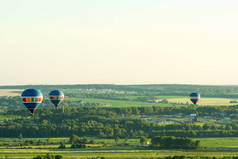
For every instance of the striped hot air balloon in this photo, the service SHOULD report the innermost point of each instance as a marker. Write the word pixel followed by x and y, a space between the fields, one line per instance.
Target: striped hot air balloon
pixel 194 97
pixel 56 97
pixel 31 99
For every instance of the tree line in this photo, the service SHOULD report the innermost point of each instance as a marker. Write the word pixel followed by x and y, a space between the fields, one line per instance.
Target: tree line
pixel 104 123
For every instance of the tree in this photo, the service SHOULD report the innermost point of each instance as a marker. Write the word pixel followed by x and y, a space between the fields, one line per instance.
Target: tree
pixel 143 140
pixel 20 137
pixel 58 157
pixel 83 140
pixel 74 139
pixel 62 145
pixel 78 146
pixel 47 141
pixel 125 140
pixel 48 156
pixel 38 157
pixel 164 101
pixel 174 142
pixel 38 142
pixel 91 142
pixel 117 139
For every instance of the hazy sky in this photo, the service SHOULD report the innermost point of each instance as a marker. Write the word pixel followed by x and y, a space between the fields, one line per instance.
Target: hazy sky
pixel 118 41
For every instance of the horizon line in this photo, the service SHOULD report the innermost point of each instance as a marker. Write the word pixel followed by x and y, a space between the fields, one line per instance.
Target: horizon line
pixel 119 84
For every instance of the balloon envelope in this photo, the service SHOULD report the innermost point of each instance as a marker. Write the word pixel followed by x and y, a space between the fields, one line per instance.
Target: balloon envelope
pixel 32 98
pixel 56 97
pixel 194 97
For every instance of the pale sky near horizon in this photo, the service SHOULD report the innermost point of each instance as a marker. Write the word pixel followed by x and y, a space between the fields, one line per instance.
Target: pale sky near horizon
pixel 118 41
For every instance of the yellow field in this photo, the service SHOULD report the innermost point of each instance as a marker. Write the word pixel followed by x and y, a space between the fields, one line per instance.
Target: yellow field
pixel 10 92
pixel 204 101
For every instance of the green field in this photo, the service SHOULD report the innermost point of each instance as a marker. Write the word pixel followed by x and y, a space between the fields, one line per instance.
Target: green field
pixel 120 103
pixel 173 100
pixel 9 117
pixel 89 153
pixel 228 142
pixel 111 150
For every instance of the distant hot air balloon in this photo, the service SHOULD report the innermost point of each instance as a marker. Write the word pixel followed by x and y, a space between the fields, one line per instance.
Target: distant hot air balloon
pixel 194 97
pixel 56 97
pixel 32 98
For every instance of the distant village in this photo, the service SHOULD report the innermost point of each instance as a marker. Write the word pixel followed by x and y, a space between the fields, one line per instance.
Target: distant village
pixel 181 118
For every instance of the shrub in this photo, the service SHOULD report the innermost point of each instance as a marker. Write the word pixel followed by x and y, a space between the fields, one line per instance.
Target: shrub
pixel 61 146
pixel 78 146
pixel 174 142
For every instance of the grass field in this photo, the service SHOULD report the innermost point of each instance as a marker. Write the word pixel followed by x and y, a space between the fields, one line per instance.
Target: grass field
pixel 214 148
pixel 10 92
pixel 204 101
pixel 120 103
pixel 227 142
pixel 86 153
pixel 9 117
pixel 173 100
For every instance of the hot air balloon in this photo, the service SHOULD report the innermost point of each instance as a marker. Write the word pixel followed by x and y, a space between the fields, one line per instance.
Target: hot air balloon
pixel 32 98
pixel 194 97
pixel 56 97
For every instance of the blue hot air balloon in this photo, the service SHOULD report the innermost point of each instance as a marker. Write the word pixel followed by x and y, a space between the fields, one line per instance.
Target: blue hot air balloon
pixel 56 97
pixel 194 97
pixel 32 98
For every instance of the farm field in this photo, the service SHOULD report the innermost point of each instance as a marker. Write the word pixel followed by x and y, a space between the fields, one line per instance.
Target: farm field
pixel 120 103
pixel 204 101
pixel 231 142
pixel 111 150
pixel 10 92
pixel 175 100
pixel 228 142
pixel 9 117
pixel 109 154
